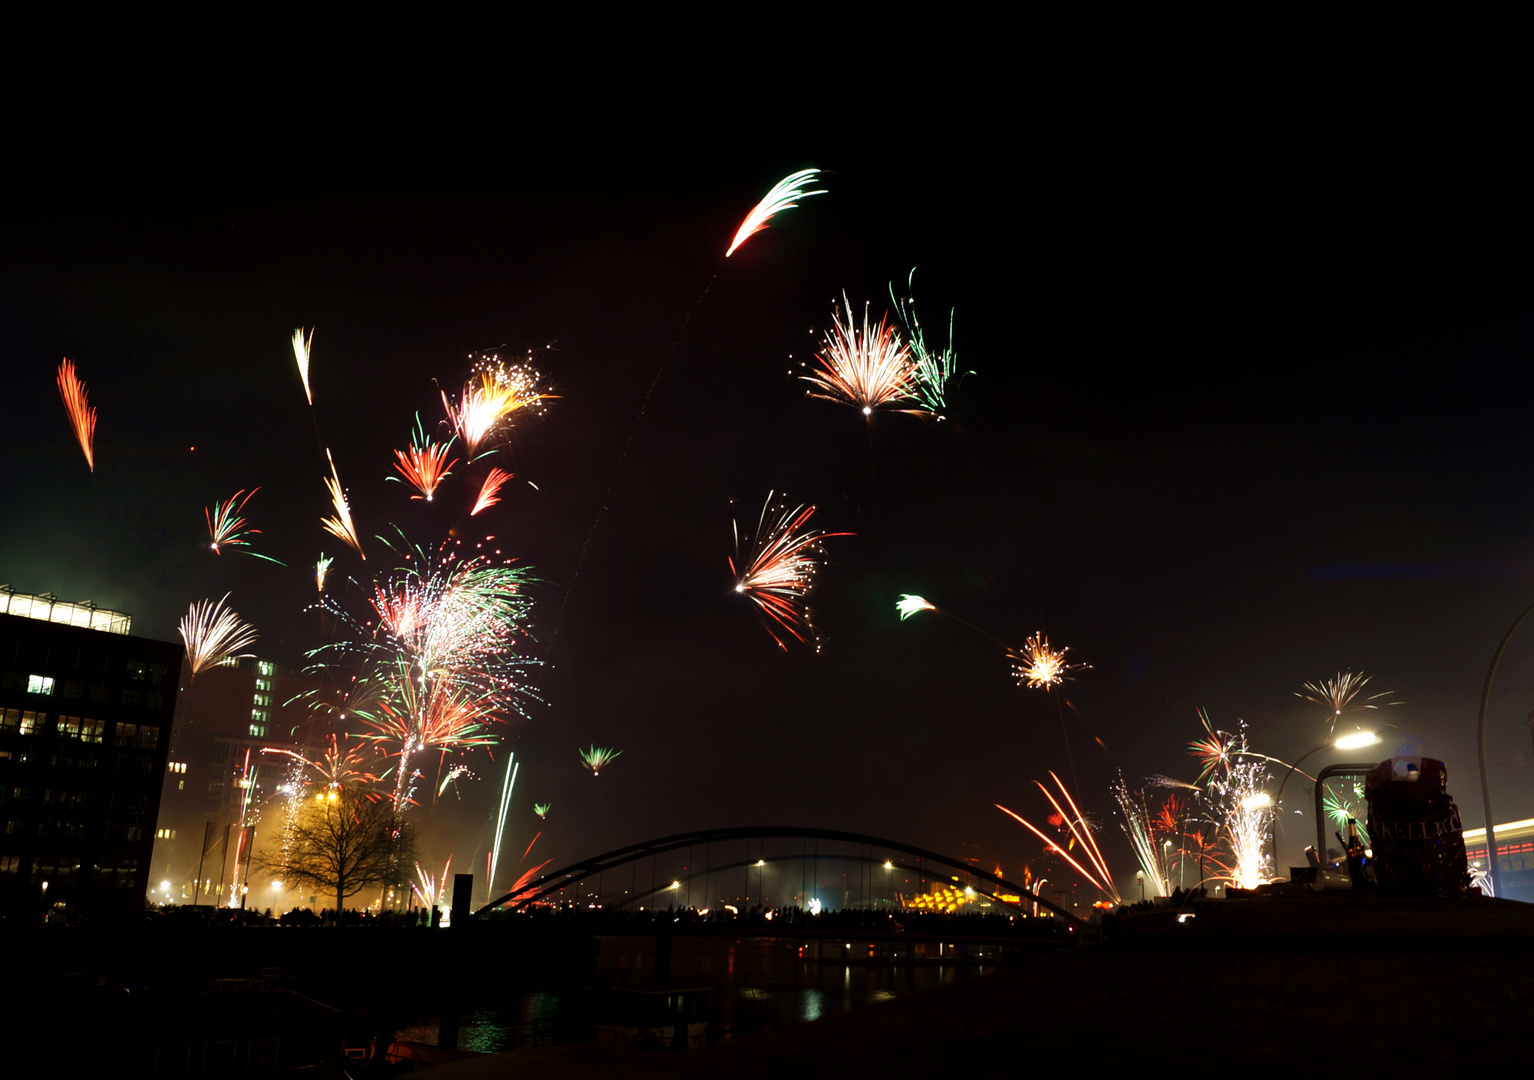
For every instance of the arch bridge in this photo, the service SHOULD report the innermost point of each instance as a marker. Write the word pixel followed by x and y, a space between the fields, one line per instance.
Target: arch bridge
pixel 894 853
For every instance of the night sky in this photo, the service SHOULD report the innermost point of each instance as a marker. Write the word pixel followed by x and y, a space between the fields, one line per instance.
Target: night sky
pixel 1249 408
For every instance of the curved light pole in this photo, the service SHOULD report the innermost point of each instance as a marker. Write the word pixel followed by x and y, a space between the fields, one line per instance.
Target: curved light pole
pixel 1345 742
pixel 1492 864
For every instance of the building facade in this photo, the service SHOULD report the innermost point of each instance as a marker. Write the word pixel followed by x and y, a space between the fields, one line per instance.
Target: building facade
pixel 85 724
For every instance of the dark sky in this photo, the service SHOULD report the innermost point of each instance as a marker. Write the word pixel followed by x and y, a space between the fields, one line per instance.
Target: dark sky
pixel 1250 407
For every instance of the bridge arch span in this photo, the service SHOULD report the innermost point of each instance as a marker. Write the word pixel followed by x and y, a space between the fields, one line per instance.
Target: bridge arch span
pixel 564 877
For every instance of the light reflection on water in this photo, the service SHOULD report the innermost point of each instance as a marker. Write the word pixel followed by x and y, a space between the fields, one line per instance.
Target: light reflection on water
pixel 756 984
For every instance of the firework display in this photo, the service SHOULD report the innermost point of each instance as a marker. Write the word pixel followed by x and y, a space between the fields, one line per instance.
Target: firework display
pixel 780 198
pixel 1339 696
pixel 909 605
pixel 1039 665
pixel 776 568
pixel 1141 827
pixel 321 571
pixel 935 368
pixel 227 529
pixel 597 758
pixel 496 392
pixel 425 464
pixel 213 633
pixel 866 367
pixel 1074 827
pixel 82 415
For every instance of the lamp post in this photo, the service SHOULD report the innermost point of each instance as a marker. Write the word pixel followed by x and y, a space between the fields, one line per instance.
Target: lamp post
pixel 1345 742
pixel 1492 865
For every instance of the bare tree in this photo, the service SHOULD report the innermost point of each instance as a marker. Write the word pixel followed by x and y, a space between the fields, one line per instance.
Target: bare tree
pixel 341 841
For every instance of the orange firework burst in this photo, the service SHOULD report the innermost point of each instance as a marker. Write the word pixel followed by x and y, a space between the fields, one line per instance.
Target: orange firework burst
pixel 301 357
pixel 1040 665
pixel 81 414
pixel 867 367
pixel 488 496
pixel 425 464
pixel 779 567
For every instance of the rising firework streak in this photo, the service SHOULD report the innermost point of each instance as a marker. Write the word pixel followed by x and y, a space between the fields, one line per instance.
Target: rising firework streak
pixel 81 415
pixel 489 490
pixel 780 198
pixel 301 355
pixel 340 525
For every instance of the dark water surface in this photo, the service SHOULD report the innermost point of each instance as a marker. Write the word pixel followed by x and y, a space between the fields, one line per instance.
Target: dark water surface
pixel 756 983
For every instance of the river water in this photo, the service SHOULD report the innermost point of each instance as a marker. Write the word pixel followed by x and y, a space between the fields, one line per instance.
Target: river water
pixel 755 983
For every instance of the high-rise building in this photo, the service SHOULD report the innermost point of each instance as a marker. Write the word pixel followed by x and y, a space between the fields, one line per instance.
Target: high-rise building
pixel 85 722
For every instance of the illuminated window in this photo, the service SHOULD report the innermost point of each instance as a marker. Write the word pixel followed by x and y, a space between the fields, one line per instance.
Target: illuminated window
pixel 176 767
pixel 126 734
pixel 262 699
pixel 180 785
pixel 266 667
pixel 31 722
pixel 148 736
pixel 68 727
pixel 10 719
pixel 264 685
pixel 39 684
pixel 258 731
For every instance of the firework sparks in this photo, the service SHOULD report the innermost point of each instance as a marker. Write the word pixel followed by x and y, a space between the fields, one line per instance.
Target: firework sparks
pixel 425 464
pixel 1039 665
pixel 542 809
pixel 780 198
pixel 868 367
pixel 500 390
pixel 1139 826
pixel 333 769
pixel 1339 695
pixel 226 528
pixel 81 415
pixel 778 568
pixel 432 892
pixel 341 525
pixel 321 571
pixel 301 355
pixel 597 758
pixel 909 605
pixel 212 633
pixel 489 490
pixel 935 369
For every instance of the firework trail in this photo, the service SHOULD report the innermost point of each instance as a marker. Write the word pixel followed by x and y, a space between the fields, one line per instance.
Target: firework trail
pixel 341 525
pixel 81 415
pixel 227 529
pixel 1139 826
pixel 777 568
pixel 867 368
pixel 489 490
pixel 1339 695
pixel 1081 834
pixel 597 758
pixel 542 810
pixel 321 570
pixel 213 633
pixel 301 356
pixel 500 823
pixel 780 198
pixel 425 464
pixel 934 369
